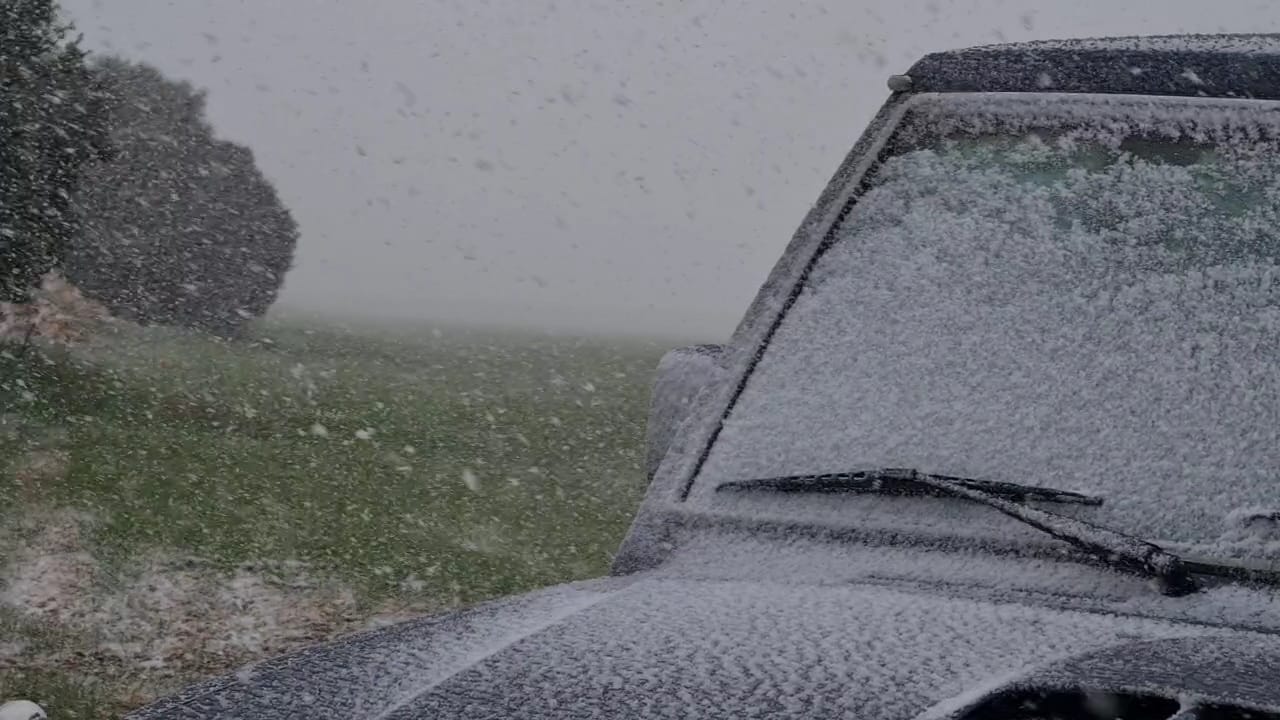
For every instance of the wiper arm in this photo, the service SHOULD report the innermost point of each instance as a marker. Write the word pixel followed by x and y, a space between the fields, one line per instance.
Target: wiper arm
pixel 901 481
pixel 1113 548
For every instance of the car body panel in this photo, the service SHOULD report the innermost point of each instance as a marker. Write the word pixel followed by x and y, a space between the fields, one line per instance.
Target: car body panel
pixel 736 626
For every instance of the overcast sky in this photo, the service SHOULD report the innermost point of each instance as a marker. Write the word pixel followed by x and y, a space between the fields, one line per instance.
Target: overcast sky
pixel 624 166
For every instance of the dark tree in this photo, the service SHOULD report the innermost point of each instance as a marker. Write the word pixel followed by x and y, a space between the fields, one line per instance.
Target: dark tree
pixel 179 228
pixel 51 123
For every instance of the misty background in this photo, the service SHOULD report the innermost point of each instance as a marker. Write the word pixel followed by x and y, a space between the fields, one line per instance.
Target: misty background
pixel 630 168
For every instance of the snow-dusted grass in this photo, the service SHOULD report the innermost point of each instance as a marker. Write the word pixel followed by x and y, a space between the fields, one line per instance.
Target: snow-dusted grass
pixel 177 505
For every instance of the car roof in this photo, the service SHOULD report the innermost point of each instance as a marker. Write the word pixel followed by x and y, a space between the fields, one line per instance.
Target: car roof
pixel 1244 66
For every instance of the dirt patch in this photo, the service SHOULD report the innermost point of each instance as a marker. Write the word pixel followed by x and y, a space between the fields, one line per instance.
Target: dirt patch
pixel 164 620
pixel 58 312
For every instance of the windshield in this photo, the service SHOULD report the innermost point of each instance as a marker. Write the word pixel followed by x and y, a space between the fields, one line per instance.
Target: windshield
pixel 1078 293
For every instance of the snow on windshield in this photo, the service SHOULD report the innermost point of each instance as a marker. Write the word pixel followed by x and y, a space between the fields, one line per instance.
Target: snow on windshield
pixel 1092 307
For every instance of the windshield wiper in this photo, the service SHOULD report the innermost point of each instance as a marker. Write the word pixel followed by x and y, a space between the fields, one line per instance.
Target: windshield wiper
pixel 1116 549
pixel 904 481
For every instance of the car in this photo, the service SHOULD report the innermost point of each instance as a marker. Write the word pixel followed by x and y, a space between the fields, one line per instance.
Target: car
pixel 998 438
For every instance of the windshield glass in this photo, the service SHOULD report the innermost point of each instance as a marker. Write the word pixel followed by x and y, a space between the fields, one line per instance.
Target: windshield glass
pixel 1079 294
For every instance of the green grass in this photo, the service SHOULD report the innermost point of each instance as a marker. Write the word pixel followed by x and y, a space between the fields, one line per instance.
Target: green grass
pixel 214 449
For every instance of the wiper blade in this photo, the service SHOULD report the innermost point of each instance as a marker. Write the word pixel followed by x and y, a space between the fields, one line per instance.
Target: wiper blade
pixel 1236 570
pixel 1116 549
pixel 902 481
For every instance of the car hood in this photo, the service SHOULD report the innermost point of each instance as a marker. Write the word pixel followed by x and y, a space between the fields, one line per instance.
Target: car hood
pixel 658 646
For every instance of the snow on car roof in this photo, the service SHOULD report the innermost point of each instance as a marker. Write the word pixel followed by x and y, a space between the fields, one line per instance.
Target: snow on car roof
pixel 1260 43
pixel 1188 65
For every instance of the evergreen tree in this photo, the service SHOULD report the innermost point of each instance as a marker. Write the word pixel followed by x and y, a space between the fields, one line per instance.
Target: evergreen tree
pixel 51 123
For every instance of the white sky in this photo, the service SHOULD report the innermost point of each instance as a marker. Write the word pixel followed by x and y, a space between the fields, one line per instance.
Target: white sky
pixel 600 166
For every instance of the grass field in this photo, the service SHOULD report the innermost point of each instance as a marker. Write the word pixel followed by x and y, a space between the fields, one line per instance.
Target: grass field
pixel 176 505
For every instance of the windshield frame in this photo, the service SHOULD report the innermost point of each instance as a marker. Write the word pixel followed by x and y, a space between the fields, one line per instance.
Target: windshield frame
pixel 680 473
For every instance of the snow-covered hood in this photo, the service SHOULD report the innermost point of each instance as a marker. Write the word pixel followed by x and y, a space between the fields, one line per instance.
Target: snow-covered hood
pixel 678 643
